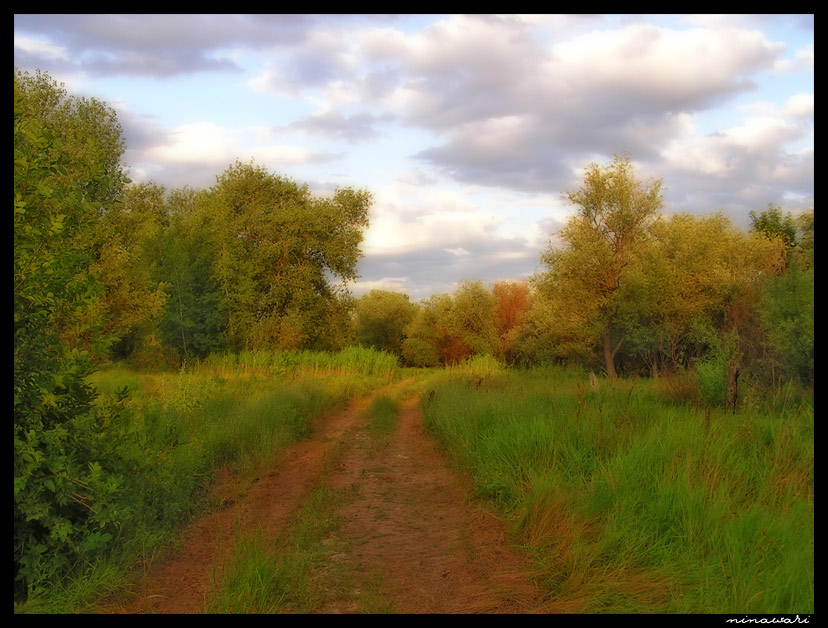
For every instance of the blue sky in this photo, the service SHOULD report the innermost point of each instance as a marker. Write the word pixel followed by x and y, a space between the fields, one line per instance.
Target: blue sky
pixel 467 129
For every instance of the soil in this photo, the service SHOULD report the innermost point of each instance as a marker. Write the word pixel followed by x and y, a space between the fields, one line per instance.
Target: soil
pixel 414 536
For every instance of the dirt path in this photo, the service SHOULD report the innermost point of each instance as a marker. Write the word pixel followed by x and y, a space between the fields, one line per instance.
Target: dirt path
pixel 413 523
pixel 414 537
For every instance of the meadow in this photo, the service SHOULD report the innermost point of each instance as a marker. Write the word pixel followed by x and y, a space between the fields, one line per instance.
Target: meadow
pixel 630 496
pixel 633 502
pixel 174 430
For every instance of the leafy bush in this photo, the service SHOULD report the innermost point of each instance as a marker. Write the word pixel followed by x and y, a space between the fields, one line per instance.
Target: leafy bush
pixel 68 490
pixel 67 461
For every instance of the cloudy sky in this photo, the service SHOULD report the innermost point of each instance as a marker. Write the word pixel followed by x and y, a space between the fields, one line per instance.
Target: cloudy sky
pixel 467 129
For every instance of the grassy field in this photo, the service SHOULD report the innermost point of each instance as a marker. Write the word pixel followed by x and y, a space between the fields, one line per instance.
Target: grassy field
pixel 631 496
pixel 633 503
pixel 238 412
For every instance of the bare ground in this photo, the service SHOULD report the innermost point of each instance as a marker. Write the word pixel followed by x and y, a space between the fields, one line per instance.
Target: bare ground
pixel 413 535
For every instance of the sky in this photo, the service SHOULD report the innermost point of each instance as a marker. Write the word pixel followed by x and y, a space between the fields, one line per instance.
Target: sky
pixel 467 129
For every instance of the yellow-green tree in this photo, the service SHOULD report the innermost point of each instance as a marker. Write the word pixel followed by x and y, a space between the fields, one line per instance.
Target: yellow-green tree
pixel 701 277
pixel 584 286
pixel 126 243
pixel 381 317
pixel 449 328
pixel 284 258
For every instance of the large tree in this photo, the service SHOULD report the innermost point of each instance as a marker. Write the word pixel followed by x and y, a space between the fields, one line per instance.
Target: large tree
pixel 699 273
pixel 587 274
pixel 284 258
pixel 67 172
pixel 126 242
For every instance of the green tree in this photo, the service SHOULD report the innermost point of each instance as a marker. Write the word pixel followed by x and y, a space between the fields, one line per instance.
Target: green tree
pixel 805 249
pixel 66 174
pixel 772 222
pixel 284 258
pixel 586 276
pixel 450 328
pixel 381 317
pixel 194 321
pixel 787 310
pixel 471 319
pixel 423 336
pixel 126 242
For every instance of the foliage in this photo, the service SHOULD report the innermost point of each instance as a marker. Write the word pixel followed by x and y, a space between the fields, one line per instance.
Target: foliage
pixel 512 302
pixel 702 271
pixel 194 321
pixel 127 254
pixel 773 223
pixel 586 277
pixel 449 328
pixel 787 310
pixel 381 318
pixel 66 172
pixel 278 250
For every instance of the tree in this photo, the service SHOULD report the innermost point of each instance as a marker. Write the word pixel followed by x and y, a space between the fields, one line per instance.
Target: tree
pixel 512 303
pixel 381 317
pixel 450 328
pixel 284 258
pixel 787 305
pixel 787 310
pixel 615 212
pixel 773 223
pixel 126 242
pixel 472 318
pixel 194 321
pixel 66 174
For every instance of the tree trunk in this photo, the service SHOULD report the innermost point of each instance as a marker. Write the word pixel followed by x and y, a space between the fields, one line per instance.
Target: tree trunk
pixel 732 387
pixel 609 355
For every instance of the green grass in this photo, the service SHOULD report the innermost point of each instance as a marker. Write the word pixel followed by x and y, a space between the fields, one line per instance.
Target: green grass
pixel 382 414
pixel 274 577
pixel 635 504
pixel 179 428
pixel 351 360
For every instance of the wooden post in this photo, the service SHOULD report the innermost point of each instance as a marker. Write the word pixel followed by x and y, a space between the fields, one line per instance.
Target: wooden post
pixel 593 380
pixel 732 387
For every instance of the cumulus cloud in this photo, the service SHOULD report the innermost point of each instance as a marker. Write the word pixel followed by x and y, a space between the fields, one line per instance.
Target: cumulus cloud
pixel 163 45
pixel 40 48
pixel 515 105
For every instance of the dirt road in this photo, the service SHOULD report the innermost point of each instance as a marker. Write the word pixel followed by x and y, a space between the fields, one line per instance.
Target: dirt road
pixel 409 536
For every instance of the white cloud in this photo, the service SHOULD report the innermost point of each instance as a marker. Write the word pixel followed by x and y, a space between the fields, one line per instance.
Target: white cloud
pixel 805 55
pixel 800 106
pixel 764 133
pixel 197 142
pixel 390 284
pixel 41 48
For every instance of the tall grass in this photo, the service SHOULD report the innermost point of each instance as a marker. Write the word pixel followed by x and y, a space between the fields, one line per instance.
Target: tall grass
pixel 632 503
pixel 180 427
pixel 352 360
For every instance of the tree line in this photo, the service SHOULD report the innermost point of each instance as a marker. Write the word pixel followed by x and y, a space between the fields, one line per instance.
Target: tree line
pixel 627 289
pixel 105 269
